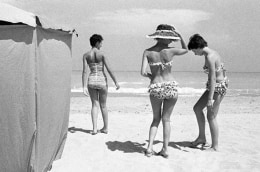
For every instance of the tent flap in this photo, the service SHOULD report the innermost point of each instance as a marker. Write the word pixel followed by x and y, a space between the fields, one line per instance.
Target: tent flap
pixel 35 77
pixel 17 102
pixel 53 92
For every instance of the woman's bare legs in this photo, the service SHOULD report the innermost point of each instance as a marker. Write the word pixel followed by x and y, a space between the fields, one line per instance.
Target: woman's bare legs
pixel 158 114
pixel 198 109
pixel 93 93
pixel 103 108
pixel 156 106
pixel 212 119
pixel 168 105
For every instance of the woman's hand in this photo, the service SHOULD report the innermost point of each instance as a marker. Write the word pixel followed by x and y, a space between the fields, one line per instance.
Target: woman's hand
pixel 117 86
pixel 148 75
pixel 177 32
pixel 85 91
pixel 210 104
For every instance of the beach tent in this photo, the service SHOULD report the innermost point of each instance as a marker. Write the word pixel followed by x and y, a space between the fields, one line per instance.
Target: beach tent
pixel 35 74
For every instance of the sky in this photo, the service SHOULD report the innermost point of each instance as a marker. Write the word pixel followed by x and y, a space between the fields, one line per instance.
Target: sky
pixel 231 27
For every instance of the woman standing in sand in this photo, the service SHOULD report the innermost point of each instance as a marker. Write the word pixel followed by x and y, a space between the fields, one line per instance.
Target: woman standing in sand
pixel 215 90
pixel 163 88
pixel 97 81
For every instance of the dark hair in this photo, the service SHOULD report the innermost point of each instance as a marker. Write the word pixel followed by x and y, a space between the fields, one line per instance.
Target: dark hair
pixel 94 39
pixel 197 41
pixel 165 27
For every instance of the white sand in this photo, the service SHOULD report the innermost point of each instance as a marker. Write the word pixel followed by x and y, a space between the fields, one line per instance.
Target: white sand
pixel 129 120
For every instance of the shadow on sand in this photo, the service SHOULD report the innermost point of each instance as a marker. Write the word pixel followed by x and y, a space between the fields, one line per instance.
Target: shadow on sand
pixel 74 129
pixel 177 145
pixel 185 144
pixel 126 147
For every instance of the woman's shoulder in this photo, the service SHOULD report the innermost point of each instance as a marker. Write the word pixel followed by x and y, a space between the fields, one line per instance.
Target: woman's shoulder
pixel 170 49
pixel 213 55
pixel 148 51
pixel 99 52
pixel 86 55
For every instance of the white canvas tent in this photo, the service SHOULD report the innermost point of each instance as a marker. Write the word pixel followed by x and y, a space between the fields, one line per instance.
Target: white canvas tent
pixel 35 74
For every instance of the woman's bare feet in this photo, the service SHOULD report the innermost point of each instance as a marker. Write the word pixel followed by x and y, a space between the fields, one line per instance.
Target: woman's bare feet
pixel 93 132
pixel 163 153
pixel 103 130
pixel 212 149
pixel 198 142
pixel 149 153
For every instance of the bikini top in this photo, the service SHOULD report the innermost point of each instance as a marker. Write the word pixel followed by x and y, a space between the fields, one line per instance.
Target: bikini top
pixel 218 69
pixel 163 65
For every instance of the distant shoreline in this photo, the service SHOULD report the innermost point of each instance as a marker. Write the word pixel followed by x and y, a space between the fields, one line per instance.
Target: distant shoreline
pixel 80 94
pixel 199 71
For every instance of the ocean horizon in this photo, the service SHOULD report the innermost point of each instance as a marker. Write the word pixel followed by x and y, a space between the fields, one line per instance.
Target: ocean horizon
pixel 190 83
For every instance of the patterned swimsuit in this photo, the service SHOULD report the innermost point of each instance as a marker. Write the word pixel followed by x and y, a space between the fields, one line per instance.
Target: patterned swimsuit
pixel 163 90
pixel 220 87
pixel 97 79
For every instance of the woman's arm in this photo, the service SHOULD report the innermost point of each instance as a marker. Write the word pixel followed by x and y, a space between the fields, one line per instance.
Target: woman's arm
pixel 84 75
pixel 184 48
pixel 211 79
pixel 144 66
pixel 111 73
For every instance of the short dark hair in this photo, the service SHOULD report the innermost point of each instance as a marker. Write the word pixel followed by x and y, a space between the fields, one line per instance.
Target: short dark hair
pixel 197 41
pixel 94 39
pixel 165 27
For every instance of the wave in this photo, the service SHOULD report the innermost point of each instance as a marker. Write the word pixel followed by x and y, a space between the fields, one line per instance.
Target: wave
pixel 183 90
pixel 130 83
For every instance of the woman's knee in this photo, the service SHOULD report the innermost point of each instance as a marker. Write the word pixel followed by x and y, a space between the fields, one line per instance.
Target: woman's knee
pixel 95 103
pixel 211 116
pixel 166 119
pixel 103 105
pixel 157 119
pixel 197 108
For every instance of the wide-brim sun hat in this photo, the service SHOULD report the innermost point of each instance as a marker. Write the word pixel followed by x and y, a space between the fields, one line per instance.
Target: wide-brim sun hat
pixel 164 34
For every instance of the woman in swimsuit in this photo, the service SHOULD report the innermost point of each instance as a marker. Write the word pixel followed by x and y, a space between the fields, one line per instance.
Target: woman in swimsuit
pixel 163 88
pixel 215 90
pixel 97 81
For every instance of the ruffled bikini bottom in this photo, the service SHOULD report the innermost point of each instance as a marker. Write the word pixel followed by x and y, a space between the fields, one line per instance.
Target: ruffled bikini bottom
pixel 220 87
pixel 164 90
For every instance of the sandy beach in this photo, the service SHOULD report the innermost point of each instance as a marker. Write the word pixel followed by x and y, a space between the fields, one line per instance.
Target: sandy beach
pixel 129 120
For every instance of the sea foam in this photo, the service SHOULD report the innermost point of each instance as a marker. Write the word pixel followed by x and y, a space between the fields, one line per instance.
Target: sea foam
pixel 128 90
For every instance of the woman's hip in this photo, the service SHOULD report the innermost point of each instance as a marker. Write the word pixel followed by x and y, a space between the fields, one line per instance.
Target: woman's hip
pixel 164 90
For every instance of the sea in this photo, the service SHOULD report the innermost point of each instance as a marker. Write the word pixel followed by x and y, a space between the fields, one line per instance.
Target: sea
pixel 190 83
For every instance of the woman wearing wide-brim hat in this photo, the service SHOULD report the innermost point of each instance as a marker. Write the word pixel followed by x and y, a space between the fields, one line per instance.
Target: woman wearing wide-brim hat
pixel 163 87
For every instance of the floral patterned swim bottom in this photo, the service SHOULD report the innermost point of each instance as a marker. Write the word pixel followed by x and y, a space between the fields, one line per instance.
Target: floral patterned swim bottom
pixel 164 90
pixel 97 81
pixel 220 87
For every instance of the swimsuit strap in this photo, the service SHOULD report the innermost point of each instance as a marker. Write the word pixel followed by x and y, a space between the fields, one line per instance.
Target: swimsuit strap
pixel 169 63
pixel 163 65
pixel 218 69
pixel 160 63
